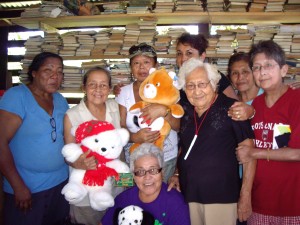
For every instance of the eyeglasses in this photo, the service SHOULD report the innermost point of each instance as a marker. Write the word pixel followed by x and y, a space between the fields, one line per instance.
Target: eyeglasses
pixel 201 85
pixel 53 125
pixel 140 49
pixel 267 66
pixel 95 86
pixel 243 72
pixel 141 173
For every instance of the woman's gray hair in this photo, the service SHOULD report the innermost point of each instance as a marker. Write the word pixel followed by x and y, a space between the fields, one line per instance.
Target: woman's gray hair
pixel 146 149
pixel 190 65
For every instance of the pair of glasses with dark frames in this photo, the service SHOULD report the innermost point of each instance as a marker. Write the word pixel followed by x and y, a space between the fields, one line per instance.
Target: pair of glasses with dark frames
pixel 143 47
pixel 152 171
pixel 53 132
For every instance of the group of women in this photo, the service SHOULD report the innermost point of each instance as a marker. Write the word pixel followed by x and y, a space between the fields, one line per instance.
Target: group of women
pixel 214 132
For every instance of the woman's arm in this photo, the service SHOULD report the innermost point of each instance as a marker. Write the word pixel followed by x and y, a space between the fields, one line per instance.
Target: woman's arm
pixel 83 162
pixel 143 135
pixel 229 92
pixel 9 124
pixel 246 154
pixel 154 111
pixel 244 203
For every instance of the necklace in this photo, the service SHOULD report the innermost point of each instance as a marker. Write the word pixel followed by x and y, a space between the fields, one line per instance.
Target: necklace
pixel 197 128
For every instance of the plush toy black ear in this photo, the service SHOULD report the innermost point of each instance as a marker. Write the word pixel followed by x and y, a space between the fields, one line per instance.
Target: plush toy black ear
pixel 116 214
pixel 148 219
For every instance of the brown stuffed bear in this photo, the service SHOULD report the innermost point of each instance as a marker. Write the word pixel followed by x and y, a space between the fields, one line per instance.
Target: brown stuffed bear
pixel 159 88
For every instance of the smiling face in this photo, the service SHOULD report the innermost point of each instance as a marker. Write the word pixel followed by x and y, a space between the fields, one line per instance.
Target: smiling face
pixel 241 76
pixel 97 87
pixel 201 98
pixel 49 76
pixel 184 52
pixel 149 185
pixel 140 66
pixel 269 75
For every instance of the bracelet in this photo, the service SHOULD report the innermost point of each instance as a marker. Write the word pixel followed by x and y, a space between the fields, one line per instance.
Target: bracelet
pixel 167 112
pixel 252 115
pixel 268 154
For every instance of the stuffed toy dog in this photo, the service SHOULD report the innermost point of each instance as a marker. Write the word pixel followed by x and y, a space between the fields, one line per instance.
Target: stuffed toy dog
pixel 132 215
pixel 106 144
pixel 159 87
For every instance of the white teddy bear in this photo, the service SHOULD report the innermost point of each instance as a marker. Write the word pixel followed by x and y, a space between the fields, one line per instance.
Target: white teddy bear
pixel 106 144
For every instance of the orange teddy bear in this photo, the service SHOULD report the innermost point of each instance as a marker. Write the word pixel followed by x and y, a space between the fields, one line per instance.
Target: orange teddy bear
pixel 158 87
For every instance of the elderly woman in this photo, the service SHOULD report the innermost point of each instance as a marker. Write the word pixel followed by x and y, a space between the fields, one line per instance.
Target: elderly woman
pixel 276 187
pixel 31 127
pixel 150 193
pixel 207 166
pixel 96 85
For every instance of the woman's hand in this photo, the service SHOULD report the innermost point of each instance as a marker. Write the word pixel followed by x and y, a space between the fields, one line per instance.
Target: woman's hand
pixel 84 162
pixel 23 198
pixel 145 135
pixel 174 183
pixel 153 111
pixel 117 89
pixel 240 111
pixel 244 207
pixel 295 85
pixel 244 153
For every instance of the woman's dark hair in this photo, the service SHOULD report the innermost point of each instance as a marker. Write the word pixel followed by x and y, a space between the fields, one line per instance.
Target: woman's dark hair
pixel 96 69
pixel 142 49
pixel 39 60
pixel 271 49
pixel 197 41
pixel 236 57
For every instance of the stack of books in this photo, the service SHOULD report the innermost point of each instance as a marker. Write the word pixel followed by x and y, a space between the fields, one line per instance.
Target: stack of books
pixel 101 41
pixel 237 5
pixel 164 6
pixel 295 48
pixel 162 44
pixel 244 40
pixel 292 6
pixel 174 33
pixel 147 27
pixel 69 44
pixel 72 78
pixel 52 43
pixel 115 42
pixel 257 6
pixel 139 6
pixel 189 5
pixel 86 41
pixel 33 46
pixel 274 6
pixel 225 43
pixel 24 78
pixel 215 5
pixel 132 33
pixel 212 45
pixel 284 40
pixel 113 8
pixel 120 72
pixel 47 9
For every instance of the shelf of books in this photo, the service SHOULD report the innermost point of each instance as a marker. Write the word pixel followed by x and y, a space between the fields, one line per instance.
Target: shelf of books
pixel 162 19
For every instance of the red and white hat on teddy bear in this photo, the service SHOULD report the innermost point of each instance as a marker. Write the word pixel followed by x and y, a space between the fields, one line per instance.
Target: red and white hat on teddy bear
pixel 91 128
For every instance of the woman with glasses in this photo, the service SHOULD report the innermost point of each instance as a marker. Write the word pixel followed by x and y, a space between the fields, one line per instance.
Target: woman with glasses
pixel 95 105
pixel 276 187
pixel 150 193
pixel 31 128
pixel 142 58
pixel 207 165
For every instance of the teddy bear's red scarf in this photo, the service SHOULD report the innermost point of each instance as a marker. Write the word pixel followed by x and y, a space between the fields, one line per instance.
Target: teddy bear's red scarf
pixel 98 176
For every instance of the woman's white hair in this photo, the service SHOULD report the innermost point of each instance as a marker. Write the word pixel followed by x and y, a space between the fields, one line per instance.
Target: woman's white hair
pixel 146 149
pixel 193 63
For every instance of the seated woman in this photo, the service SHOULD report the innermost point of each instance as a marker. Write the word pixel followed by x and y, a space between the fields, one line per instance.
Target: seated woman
pixel 150 193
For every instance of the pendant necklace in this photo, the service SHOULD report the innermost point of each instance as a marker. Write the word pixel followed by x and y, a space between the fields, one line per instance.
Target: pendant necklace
pixel 197 128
